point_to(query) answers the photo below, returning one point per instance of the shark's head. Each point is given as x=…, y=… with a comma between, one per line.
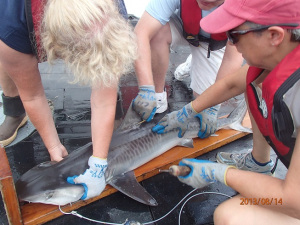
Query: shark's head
x=60, y=196
x=47, y=182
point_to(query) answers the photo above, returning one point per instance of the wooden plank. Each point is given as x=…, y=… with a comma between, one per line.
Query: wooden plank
x=37, y=213
x=8, y=191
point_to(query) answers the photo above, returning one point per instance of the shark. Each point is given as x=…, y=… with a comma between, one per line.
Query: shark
x=133, y=144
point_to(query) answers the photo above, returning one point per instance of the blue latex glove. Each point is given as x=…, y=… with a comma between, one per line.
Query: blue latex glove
x=145, y=102
x=203, y=172
x=180, y=120
x=93, y=179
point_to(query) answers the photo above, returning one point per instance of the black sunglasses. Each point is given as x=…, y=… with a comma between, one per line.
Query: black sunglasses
x=234, y=34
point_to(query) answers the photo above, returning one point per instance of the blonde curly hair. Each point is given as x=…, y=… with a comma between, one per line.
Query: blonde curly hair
x=93, y=39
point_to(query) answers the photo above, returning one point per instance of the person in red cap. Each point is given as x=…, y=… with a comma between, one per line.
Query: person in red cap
x=267, y=33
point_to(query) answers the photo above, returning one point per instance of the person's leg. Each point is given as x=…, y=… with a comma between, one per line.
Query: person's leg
x=15, y=116
x=257, y=160
x=233, y=212
x=259, y=143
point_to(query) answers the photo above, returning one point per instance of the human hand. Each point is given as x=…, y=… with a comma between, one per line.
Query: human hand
x=145, y=102
x=93, y=179
x=58, y=152
x=208, y=121
x=176, y=120
x=203, y=172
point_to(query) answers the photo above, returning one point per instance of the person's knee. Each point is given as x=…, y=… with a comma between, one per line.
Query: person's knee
x=225, y=214
x=220, y=215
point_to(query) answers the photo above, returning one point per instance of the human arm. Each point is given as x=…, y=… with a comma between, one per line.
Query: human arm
x=258, y=189
x=156, y=15
x=23, y=70
x=232, y=61
x=254, y=186
x=222, y=90
x=145, y=102
x=145, y=30
x=103, y=105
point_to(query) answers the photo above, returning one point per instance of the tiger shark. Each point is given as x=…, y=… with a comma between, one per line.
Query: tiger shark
x=133, y=144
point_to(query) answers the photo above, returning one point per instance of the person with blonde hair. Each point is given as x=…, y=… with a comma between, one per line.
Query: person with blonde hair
x=94, y=40
x=267, y=33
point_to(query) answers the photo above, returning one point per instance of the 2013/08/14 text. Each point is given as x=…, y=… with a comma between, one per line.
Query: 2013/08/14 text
x=261, y=201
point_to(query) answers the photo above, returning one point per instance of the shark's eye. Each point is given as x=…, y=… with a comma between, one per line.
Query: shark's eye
x=46, y=164
x=49, y=194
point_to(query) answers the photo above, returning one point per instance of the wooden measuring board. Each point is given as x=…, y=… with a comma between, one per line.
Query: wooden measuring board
x=37, y=213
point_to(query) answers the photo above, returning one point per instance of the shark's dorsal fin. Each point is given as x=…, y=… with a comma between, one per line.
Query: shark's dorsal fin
x=128, y=185
x=131, y=121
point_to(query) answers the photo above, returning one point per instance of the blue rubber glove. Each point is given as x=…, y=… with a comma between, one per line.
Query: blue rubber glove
x=203, y=172
x=93, y=179
x=145, y=102
x=180, y=120
x=208, y=121
x=176, y=120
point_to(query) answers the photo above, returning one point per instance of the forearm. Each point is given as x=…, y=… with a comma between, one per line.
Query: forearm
x=145, y=29
x=224, y=89
x=263, y=190
x=279, y=195
x=41, y=116
x=103, y=105
x=143, y=64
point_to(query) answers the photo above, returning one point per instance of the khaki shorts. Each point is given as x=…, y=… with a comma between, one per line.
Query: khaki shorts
x=203, y=70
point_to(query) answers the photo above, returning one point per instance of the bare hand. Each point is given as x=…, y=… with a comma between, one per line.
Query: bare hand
x=58, y=152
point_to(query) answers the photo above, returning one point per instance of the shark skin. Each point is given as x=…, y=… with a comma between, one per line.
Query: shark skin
x=133, y=144
x=235, y=118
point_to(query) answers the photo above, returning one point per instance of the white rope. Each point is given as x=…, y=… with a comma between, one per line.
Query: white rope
x=217, y=193
x=74, y=213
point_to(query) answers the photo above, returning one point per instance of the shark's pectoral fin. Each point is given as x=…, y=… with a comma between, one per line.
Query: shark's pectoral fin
x=239, y=127
x=235, y=126
x=188, y=143
x=128, y=185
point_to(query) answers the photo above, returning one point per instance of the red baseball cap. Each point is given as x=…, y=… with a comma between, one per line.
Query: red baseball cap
x=233, y=13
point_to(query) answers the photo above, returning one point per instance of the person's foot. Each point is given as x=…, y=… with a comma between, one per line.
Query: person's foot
x=245, y=161
x=161, y=101
x=10, y=127
x=183, y=70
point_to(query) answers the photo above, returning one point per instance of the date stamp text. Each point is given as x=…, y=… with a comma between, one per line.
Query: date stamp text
x=261, y=201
